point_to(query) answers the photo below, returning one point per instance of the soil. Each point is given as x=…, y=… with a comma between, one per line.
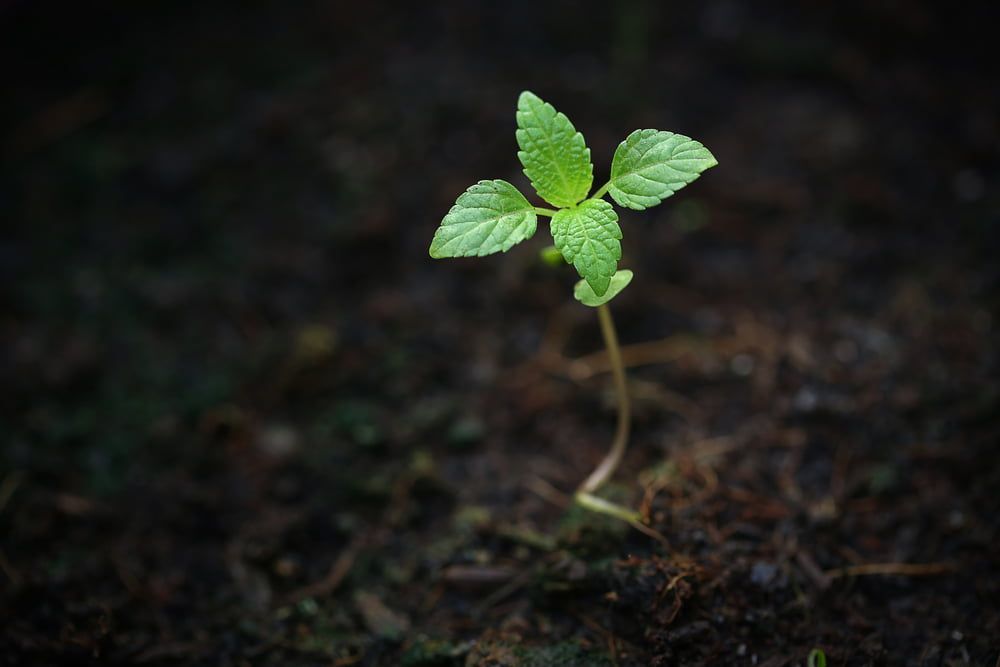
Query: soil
x=247, y=421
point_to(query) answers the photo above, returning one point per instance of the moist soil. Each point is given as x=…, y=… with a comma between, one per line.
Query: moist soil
x=247, y=421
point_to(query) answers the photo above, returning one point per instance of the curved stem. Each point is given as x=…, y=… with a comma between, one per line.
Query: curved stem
x=607, y=467
x=545, y=211
x=585, y=495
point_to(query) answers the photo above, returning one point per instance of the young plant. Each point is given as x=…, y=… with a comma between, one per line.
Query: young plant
x=493, y=216
x=816, y=658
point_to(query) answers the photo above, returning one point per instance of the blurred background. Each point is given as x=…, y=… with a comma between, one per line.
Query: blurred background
x=246, y=420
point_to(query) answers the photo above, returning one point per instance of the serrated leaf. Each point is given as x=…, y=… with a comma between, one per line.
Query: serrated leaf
x=589, y=238
x=651, y=165
x=489, y=217
x=585, y=294
x=555, y=156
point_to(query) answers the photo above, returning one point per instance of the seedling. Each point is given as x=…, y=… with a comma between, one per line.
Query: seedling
x=493, y=216
x=816, y=658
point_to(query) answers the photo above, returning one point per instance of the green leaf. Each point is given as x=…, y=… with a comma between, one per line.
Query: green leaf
x=651, y=165
x=817, y=658
x=585, y=294
x=489, y=217
x=589, y=238
x=554, y=154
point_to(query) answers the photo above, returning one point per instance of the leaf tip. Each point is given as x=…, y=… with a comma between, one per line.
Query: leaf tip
x=584, y=293
x=527, y=96
x=600, y=286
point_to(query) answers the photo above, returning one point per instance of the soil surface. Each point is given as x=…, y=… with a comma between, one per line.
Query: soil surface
x=247, y=421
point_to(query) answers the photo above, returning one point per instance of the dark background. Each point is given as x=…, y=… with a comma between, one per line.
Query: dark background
x=246, y=420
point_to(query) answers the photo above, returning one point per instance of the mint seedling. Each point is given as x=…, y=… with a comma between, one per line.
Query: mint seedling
x=493, y=216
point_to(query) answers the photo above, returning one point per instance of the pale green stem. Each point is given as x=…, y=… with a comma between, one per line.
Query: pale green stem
x=631, y=517
x=603, y=191
x=545, y=211
x=607, y=467
x=585, y=495
x=602, y=506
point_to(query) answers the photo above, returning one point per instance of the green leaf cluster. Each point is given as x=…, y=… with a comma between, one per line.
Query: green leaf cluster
x=493, y=216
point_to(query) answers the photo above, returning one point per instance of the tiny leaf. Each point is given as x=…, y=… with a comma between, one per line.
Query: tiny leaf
x=585, y=294
x=551, y=256
x=589, y=238
x=651, y=165
x=489, y=217
x=555, y=156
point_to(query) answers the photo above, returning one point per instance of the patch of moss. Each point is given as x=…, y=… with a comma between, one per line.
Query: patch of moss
x=435, y=653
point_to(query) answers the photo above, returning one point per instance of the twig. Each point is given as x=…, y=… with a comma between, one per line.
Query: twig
x=331, y=582
x=650, y=532
x=609, y=637
x=638, y=354
x=812, y=570
x=345, y=561
x=548, y=492
x=680, y=405
x=709, y=448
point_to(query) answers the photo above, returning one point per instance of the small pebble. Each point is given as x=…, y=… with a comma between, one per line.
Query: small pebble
x=763, y=573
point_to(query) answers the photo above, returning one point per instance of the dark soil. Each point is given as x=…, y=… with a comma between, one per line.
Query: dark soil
x=247, y=421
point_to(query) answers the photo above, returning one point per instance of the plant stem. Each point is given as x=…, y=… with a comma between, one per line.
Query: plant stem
x=631, y=517
x=602, y=191
x=602, y=506
x=607, y=467
x=545, y=211
x=585, y=495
